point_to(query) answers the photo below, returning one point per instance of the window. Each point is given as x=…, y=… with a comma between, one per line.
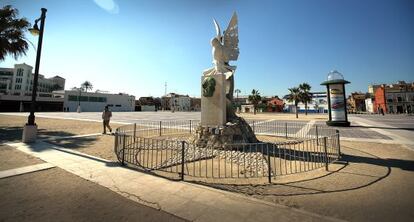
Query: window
x=399, y=99
x=72, y=98
x=102, y=99
x=86, y=98
x=83, y=98
x=19, y=72
x=93, y=99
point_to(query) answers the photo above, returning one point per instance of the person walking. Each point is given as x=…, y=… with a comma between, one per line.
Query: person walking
x=106, y=116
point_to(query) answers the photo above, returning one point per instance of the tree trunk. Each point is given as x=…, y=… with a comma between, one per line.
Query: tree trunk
x=306, y=108
x=296, y=111
x=254, y=110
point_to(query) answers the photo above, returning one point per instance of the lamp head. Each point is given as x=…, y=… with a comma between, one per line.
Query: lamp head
x=35, y=30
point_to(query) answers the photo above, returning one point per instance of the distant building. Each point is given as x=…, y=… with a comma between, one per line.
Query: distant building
x=19, y=81
x=148, y=104
x=95, y=102
x=247, y=108
x=372, y=88
x=356, y=102
x=16, y=85
x=369, y=104
x=241, y=100
x=176, y=102
x=195, y=104
x=318, y=104
x=395, y=98
x=275, y=104
x=45, y=102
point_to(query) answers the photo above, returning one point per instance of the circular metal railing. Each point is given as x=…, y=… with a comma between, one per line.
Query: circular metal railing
x=160, y=148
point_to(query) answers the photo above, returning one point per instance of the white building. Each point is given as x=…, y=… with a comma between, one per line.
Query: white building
x=176, y=102
x=182, y=103
x=318, y=104
x=369, y=105
x=249, y=108
x=19, y=81
x=95, y=101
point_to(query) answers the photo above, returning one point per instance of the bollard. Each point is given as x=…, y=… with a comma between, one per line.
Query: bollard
x=339, y=144
x=326, y=152
x=182, y=159
x=190, y=126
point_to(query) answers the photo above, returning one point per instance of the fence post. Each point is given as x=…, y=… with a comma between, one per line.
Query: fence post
x=326, y=152
x=182, y=159
x=116, y=140
x=190, y=126
x=286, y=130
x=317, y=135
x=123, y=149
x=135, y=130
x=160, y=128
x=269, y=166
x=338, y=144
x=253, y=127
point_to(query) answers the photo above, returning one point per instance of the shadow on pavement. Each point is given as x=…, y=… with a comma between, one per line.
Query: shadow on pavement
x=395, y=163
x=307, y=187
x=14, y=134
x=11, y=134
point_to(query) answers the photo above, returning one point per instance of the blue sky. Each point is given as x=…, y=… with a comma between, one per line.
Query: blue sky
x=136, y=46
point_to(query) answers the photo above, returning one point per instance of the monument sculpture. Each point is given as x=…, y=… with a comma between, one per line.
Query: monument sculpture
x=219, y=123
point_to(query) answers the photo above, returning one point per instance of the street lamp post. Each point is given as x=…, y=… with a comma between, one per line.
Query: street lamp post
x=30, y=129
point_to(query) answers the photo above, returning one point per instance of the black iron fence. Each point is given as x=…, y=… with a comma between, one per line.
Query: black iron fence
x=302, y=130
x=141, y=145
x=147, y=128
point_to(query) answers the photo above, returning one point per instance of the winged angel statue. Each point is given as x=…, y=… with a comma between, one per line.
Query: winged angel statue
x=225, y=49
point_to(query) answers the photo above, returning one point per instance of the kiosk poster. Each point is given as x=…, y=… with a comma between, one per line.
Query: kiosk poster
x=337, y=102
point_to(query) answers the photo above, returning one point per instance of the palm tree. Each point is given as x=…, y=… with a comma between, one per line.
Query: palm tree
x=295, y=96
x=87, y=85
x=316, y=107
x=306, y=95
x=255, y=98
x=237, y=91
x=12, y=29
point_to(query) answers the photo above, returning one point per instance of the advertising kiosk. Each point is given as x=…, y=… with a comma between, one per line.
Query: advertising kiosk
x=335, y=85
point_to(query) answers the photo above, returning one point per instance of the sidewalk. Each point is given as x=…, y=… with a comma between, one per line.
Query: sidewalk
x=185, y=200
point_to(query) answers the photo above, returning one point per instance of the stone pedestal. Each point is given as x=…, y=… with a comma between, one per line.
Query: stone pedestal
x=213, y=109
x=29, y=133
x=237, y=131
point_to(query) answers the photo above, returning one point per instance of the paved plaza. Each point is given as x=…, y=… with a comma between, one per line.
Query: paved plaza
x=370, y=128
x=375, y=173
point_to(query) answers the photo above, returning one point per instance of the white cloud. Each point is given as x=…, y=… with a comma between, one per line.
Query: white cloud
x=108, y=5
